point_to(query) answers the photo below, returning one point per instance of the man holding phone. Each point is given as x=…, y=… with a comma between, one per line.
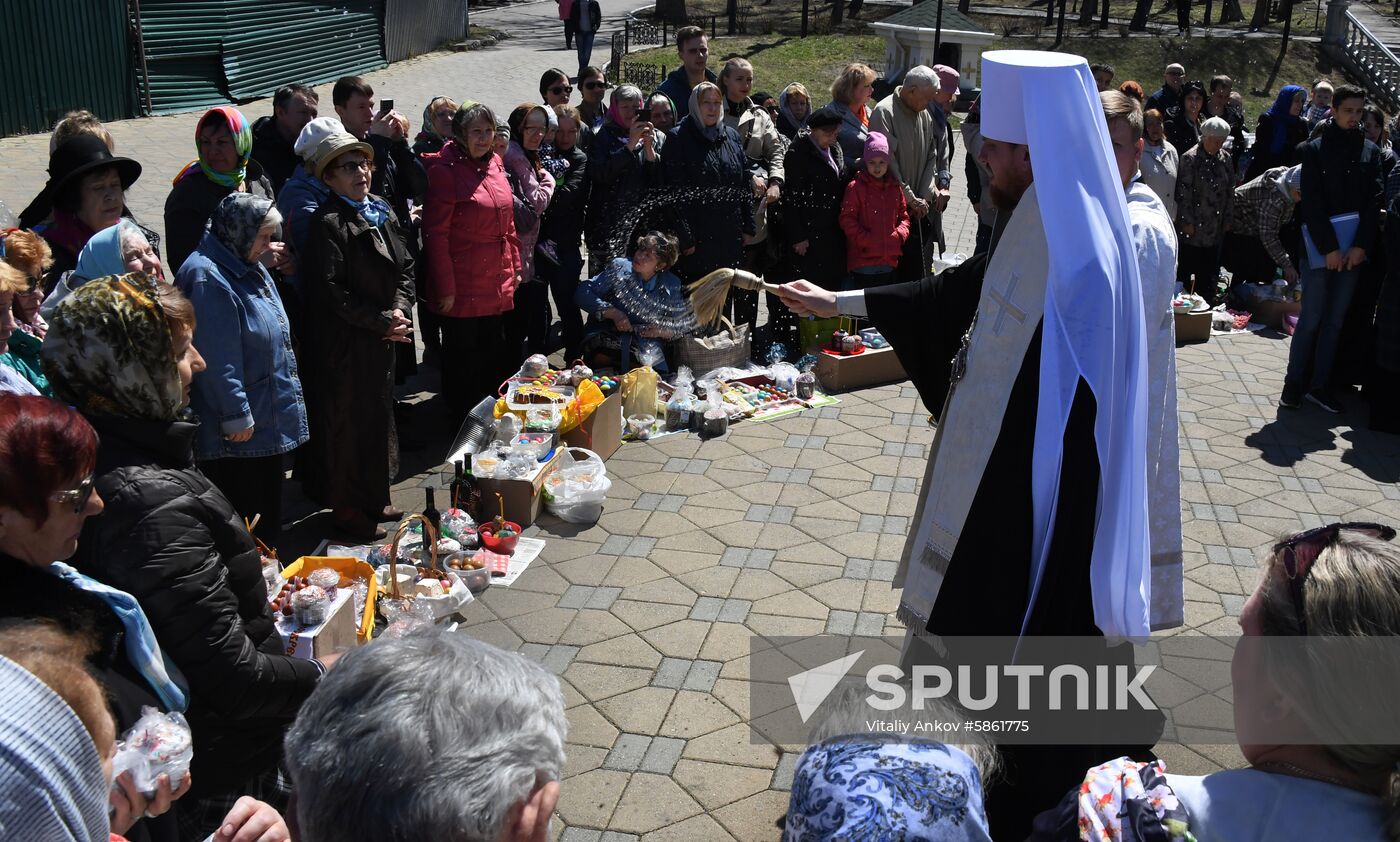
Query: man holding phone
x=398, y=175
x=1342, y=190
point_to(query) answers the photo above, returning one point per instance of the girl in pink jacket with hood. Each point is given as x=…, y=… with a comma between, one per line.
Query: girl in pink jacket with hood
x=874, y=217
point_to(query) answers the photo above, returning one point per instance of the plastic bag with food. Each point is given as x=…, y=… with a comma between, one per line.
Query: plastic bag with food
x=577, y=488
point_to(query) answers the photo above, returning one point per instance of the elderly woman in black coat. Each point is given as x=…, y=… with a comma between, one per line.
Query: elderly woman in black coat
x=120, y=349
x=358, y=280
x=709, y=184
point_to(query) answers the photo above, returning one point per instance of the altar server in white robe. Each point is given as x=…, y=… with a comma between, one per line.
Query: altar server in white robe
x=1154, y=235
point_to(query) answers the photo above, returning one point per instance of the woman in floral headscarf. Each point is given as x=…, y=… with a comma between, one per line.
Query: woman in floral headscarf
x=120, y=350
x=437, y=126
x=249, y=400
x=224, y=141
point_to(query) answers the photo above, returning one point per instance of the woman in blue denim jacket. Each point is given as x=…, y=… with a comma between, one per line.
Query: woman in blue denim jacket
x=249, y=399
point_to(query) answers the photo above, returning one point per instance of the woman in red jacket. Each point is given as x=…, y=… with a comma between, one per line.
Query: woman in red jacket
x=473, y=256
x=874, y=217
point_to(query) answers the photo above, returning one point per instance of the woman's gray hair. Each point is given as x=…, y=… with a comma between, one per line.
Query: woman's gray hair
x=625, y=92
x=430, y=736
x=273, y=218
x=468, y=113
x=130, y=233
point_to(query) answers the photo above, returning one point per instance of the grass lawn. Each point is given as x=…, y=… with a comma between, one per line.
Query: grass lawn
x=1248, y=61
x=1309, y=16
x=781, y=59
x=815, y=61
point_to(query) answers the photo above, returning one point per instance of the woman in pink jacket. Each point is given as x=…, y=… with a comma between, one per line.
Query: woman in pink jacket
x=874, y=217
x=473, y=255
x=527, y=328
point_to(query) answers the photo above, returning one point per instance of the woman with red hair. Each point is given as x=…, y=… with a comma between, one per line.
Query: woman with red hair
x=48, y=453
x=1134, y=90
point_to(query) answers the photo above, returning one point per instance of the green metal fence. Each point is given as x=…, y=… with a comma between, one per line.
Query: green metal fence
x=200, y=53
x=60, y=55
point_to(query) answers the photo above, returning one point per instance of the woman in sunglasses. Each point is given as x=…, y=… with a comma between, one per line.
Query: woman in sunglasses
x=1307, y=704
x=591, y=84
x=48, y=453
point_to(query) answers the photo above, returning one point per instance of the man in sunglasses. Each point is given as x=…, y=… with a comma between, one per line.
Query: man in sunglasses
x=694, y=50
x=1169, y=95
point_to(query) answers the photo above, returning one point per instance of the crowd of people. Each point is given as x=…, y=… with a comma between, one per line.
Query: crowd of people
x=317, y=250
x=1304, y=205
x=150, y=407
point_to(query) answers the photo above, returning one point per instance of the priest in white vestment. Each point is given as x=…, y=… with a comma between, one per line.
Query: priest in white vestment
x=1033, y=518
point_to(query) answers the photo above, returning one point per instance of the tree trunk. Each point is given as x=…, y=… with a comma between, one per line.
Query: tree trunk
x=806, y=15
x=1261, y=16
x=1103, y=15
x=1060, y=26
x=964, y=6
x=1050, y=11
x=1209, y=4
x=1088, y=11
x=1139, y=21
x=1230, y=12
x=1283, y=46
x=836, y=9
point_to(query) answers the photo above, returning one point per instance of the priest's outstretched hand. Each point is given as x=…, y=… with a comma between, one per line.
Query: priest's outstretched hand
x=807, y=299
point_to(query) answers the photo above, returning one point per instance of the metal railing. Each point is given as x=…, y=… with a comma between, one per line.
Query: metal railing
x=646, y=34
x=1372, y=60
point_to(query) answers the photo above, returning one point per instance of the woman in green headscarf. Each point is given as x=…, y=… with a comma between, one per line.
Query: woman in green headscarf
x=224, y=141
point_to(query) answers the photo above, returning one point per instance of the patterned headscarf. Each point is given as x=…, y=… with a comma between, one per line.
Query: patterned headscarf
x=110, y=351
x=242, y=132
x=867, y=788
x=429, y=130
x=624, y=93
x=236, y=221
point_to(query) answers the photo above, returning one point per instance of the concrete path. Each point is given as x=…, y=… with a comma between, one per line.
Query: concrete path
x=501, y=76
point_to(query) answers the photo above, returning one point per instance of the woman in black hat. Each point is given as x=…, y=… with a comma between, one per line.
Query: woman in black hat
x=86, y=193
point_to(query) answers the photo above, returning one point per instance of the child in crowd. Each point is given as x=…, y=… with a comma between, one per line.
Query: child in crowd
x=1320, y=106
x=874, y=217
x=634, y=305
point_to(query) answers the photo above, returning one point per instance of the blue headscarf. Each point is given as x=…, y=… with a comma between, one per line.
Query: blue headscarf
x=102, y=256
x=1281, y=113
x=867, y=788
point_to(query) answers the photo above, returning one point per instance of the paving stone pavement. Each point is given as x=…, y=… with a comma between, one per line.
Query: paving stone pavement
x=791, y=527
